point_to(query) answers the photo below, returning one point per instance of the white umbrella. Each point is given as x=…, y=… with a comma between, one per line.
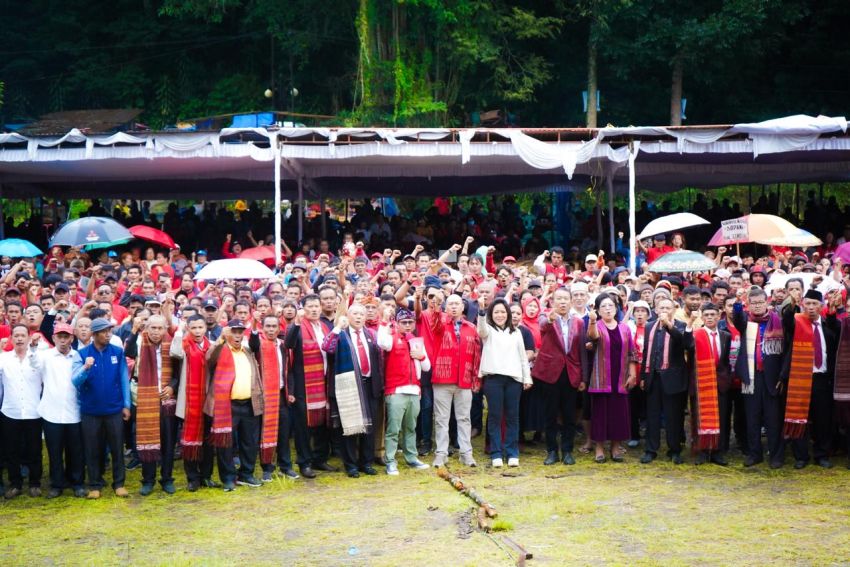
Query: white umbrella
x=235, y=269
x=670, y=223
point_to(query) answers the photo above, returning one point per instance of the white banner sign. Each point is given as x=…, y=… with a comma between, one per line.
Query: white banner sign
x=734, y=229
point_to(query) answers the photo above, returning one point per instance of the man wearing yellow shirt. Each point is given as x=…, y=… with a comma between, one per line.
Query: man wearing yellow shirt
x=235, y=403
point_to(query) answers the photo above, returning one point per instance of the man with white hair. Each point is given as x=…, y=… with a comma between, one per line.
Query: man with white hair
x=156, y=422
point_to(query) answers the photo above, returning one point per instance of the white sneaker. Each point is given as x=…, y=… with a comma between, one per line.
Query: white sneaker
x=513, y=462
x=392, y=469
x=497, y=463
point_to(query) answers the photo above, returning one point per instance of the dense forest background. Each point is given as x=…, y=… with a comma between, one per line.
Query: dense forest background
x=429, y=62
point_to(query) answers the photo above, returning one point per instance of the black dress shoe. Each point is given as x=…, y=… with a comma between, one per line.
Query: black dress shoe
x=677, y=459
x=647, y=458
x=54, y=493
x=568, y=459
x=193, y=486
x=325, y=467
x=424, y=450
x=368, y=470
x=825, y=463
x=776, y=464
x=701, y=459
x=308, y=472
x=551, y=458
x=751, y=461
x=719, y=459
x=800, y=464
x=353, y=474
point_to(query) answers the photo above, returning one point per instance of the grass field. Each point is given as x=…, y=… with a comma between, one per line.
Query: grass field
x=626, y=514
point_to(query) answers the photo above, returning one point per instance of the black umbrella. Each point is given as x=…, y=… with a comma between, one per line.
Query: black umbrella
x=88, y=231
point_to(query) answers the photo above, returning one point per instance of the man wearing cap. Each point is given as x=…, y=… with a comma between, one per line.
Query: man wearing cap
x=20, y=389
x=234, y=401
x=405, y=361
x=59, y=409
x=808, y=372
x=200, y=259
x=104, y=388
x=659, y=248
x=210, y=312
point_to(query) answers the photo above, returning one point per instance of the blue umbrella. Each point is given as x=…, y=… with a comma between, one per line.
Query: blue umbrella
x=90, y=230
x=18, y=248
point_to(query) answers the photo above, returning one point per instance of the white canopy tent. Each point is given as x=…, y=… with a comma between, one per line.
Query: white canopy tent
x=359, y=162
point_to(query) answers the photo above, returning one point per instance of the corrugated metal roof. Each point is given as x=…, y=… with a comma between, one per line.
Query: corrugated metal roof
x=101, y=121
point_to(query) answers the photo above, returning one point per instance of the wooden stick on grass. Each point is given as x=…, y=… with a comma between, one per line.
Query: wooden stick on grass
x=468, y=491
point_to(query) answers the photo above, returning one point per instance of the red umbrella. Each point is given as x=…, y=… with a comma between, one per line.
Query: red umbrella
x=153, y=235
x=261, y=253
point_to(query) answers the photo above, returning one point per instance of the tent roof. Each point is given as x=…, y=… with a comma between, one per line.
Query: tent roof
x=420, y=162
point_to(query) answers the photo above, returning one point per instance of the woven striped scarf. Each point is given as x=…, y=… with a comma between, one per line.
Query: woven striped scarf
x=269, y=352
x=195, y=359
x=148, y=402
x=708, y=409
x=600, y=376
x=800, y=378
x=221, y=435
x=314, y=377
x=665, y=358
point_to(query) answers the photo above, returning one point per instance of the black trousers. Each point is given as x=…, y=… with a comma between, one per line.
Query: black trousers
x=476, y=411
x=637, y=411
x=23, y=448
x=559, y=401
x=299, y=431
x=167, y=441
x=735, y=420
x=196, y=471
x=246, y=431
x=100, y=431
x=673, y=408
x=820, y=425
x=64, y=443
x=321, y=439
x=284, y=434
x=358, y=451
x=765, y=410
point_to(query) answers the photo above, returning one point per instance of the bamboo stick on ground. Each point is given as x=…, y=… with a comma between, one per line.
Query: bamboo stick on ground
x=469, y=492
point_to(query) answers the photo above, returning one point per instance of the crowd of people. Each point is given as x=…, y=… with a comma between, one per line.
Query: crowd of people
x=387, y=357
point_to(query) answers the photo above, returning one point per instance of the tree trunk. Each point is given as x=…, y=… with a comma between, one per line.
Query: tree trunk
x=590, y=117
x=676, y=91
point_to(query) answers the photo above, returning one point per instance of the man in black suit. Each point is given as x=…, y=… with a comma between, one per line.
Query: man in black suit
x=719, y=342
x=664, y=376
x=352, y=340
x=824, y=346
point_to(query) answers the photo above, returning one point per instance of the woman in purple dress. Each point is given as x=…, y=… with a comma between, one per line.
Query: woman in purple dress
x=613, y=374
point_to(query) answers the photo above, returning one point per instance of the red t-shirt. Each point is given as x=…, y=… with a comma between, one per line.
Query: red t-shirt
x=655, y=253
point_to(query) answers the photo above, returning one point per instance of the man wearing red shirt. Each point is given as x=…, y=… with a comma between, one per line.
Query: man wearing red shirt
x=659, y=248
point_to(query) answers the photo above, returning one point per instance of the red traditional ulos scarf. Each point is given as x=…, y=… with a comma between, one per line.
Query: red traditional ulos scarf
x=195, y=359
x=800, y=378
x=314, y=377
x=708, y=409
x=148, y=402
x=269, y=353
x=221, y=435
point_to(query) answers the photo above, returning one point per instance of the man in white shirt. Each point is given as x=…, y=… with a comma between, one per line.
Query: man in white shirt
x=59, y=409
x=20, y=390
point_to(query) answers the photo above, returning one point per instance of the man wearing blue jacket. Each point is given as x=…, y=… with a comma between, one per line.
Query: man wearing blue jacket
x=104, y=385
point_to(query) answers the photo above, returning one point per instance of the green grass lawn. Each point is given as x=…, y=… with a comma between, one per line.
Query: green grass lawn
x=626, y=514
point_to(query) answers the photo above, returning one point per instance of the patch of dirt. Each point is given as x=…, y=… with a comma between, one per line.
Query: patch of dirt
x=464, y=524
